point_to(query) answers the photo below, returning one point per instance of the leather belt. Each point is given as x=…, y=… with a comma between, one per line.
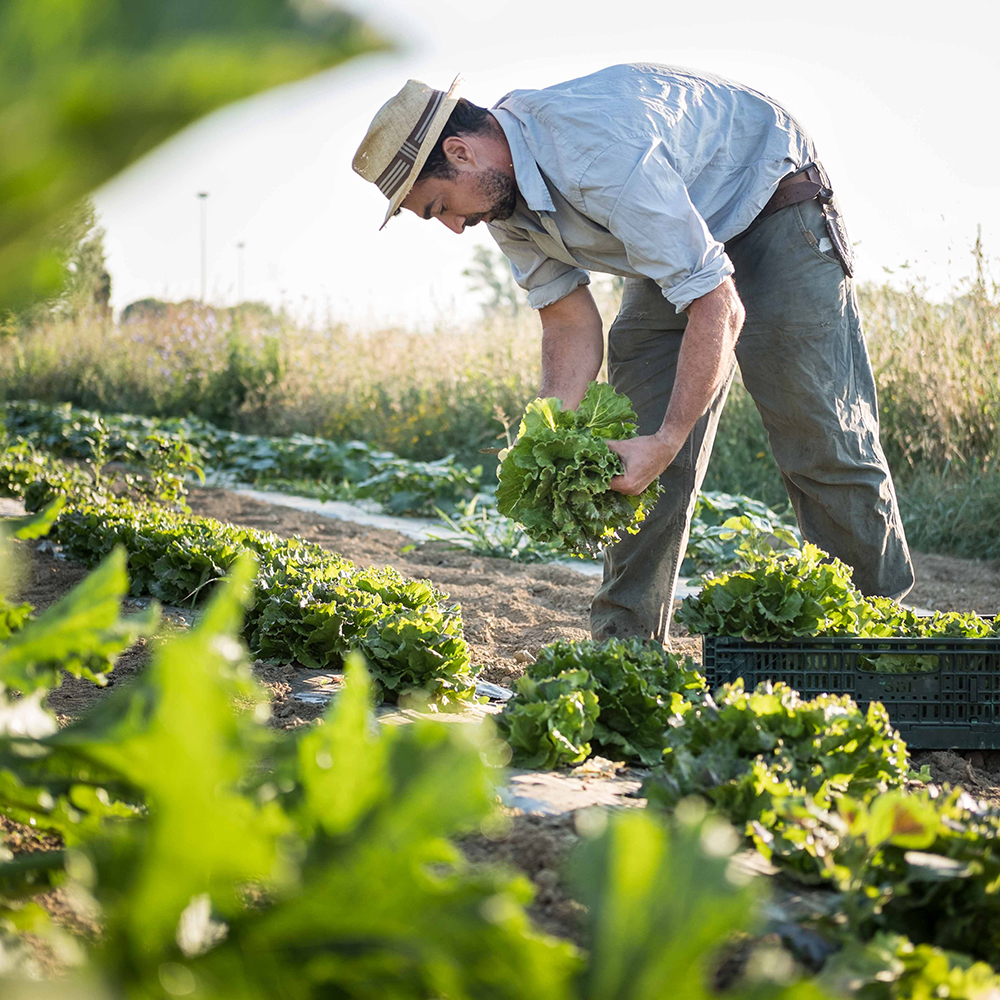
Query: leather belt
x=808, y=183
x=803, y=185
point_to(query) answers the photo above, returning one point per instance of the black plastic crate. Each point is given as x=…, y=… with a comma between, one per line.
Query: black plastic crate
x=954, y=707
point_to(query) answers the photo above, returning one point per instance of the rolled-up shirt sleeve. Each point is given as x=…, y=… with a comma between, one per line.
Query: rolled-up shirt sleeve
x=544, y=279
x=634, y=191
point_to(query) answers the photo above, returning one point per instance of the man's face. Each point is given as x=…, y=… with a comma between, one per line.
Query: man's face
x=472, y=195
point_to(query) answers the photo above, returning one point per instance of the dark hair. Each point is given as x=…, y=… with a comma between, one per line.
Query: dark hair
x=466, y=118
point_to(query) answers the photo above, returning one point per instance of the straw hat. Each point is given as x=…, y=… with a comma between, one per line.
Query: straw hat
x=401, y=137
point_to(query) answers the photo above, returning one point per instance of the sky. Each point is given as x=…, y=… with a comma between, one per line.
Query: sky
x=900, y=105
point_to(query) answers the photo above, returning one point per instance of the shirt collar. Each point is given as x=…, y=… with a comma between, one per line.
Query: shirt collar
x=529, y=178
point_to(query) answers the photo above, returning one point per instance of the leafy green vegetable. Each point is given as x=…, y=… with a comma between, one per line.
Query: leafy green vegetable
x=779, y=596
x=81, y=634
x=312, y=605
x=549, y=722
x=807, y=592
x=554, y=479
x=639, y=688
x=747, y=750
x=891, y=967
x=713, y=545
x=310, y=466
x=12, y=617
x=660, y=898
x=316, y=467
x=924, y=864
x=260, y=864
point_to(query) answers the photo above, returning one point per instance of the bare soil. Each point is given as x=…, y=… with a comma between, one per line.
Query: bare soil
x=508, y=609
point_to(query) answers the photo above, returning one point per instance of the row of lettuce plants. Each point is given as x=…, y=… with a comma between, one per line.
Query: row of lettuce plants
x=213, y=856
x=352, y=470
x=311, y=605
x=217, y=857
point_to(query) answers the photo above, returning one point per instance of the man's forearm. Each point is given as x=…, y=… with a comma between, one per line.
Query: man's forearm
x=572, y=347
x=706, y=356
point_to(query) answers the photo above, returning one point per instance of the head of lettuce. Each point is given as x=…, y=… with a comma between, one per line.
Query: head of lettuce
x=554, y=478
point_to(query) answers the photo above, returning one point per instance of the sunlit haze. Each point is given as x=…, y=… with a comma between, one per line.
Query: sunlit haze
x=899, y=103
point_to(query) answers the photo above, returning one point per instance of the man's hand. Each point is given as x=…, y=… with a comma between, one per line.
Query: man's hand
x=645, y=458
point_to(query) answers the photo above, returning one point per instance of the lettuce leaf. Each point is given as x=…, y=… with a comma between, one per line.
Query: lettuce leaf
x=554, y=479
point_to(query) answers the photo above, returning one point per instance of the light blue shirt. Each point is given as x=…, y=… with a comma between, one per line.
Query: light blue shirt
x=639, y=170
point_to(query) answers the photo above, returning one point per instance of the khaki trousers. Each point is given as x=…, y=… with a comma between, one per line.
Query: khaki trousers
x=803, y=359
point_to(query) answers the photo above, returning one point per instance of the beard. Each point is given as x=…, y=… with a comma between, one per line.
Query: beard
x=501, y=192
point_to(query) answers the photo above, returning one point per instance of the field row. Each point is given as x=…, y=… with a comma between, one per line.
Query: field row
x=169, y=790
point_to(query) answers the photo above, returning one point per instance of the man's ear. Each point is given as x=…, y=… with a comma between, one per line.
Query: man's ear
x=458, y=151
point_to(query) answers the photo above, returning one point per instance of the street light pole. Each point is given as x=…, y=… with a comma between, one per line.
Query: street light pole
x=203, y=197
x=239, y=272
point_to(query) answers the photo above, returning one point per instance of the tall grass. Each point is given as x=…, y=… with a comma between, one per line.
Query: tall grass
x=424, y=395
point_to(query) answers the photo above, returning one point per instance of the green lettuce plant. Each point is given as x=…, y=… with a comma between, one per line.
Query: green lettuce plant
x=615, y=698
x=925, y=864
x=639, y=688
x=891, y=967
x=745, y=750
x=775, y=596
x=226, y=860
x=312, y=606
x=554, y=478
x=549, y=722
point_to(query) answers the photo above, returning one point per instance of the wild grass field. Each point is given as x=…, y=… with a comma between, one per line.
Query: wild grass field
x=451, y=389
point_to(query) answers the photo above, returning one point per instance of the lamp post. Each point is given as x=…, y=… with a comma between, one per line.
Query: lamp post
x=203, y=198
x=239, y=272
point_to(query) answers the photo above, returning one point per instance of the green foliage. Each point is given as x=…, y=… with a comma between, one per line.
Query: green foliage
x=406, y=487
x=806, y=592
x=746, y=751
x=639, y=686
x=891, y=967
x=157, y=452
x=77, y=244
x=554, y=479
x=956, y=511
x=619, y=694
x=12, y=617
x=89, y=87
x=711, y=545
x=549, y=722
x=166, y=448
x=478, y=526
x=778, y=596
x=423, y=394
x=660, y=899
x=924, y=864
x=312, y=606
x=301, y=865
x=32, y=526
x=81, y=634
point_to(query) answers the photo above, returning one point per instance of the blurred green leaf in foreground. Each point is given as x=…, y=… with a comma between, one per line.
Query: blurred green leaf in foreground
x=88, y=86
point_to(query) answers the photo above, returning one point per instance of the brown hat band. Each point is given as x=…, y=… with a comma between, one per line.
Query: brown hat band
x=391, y=179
